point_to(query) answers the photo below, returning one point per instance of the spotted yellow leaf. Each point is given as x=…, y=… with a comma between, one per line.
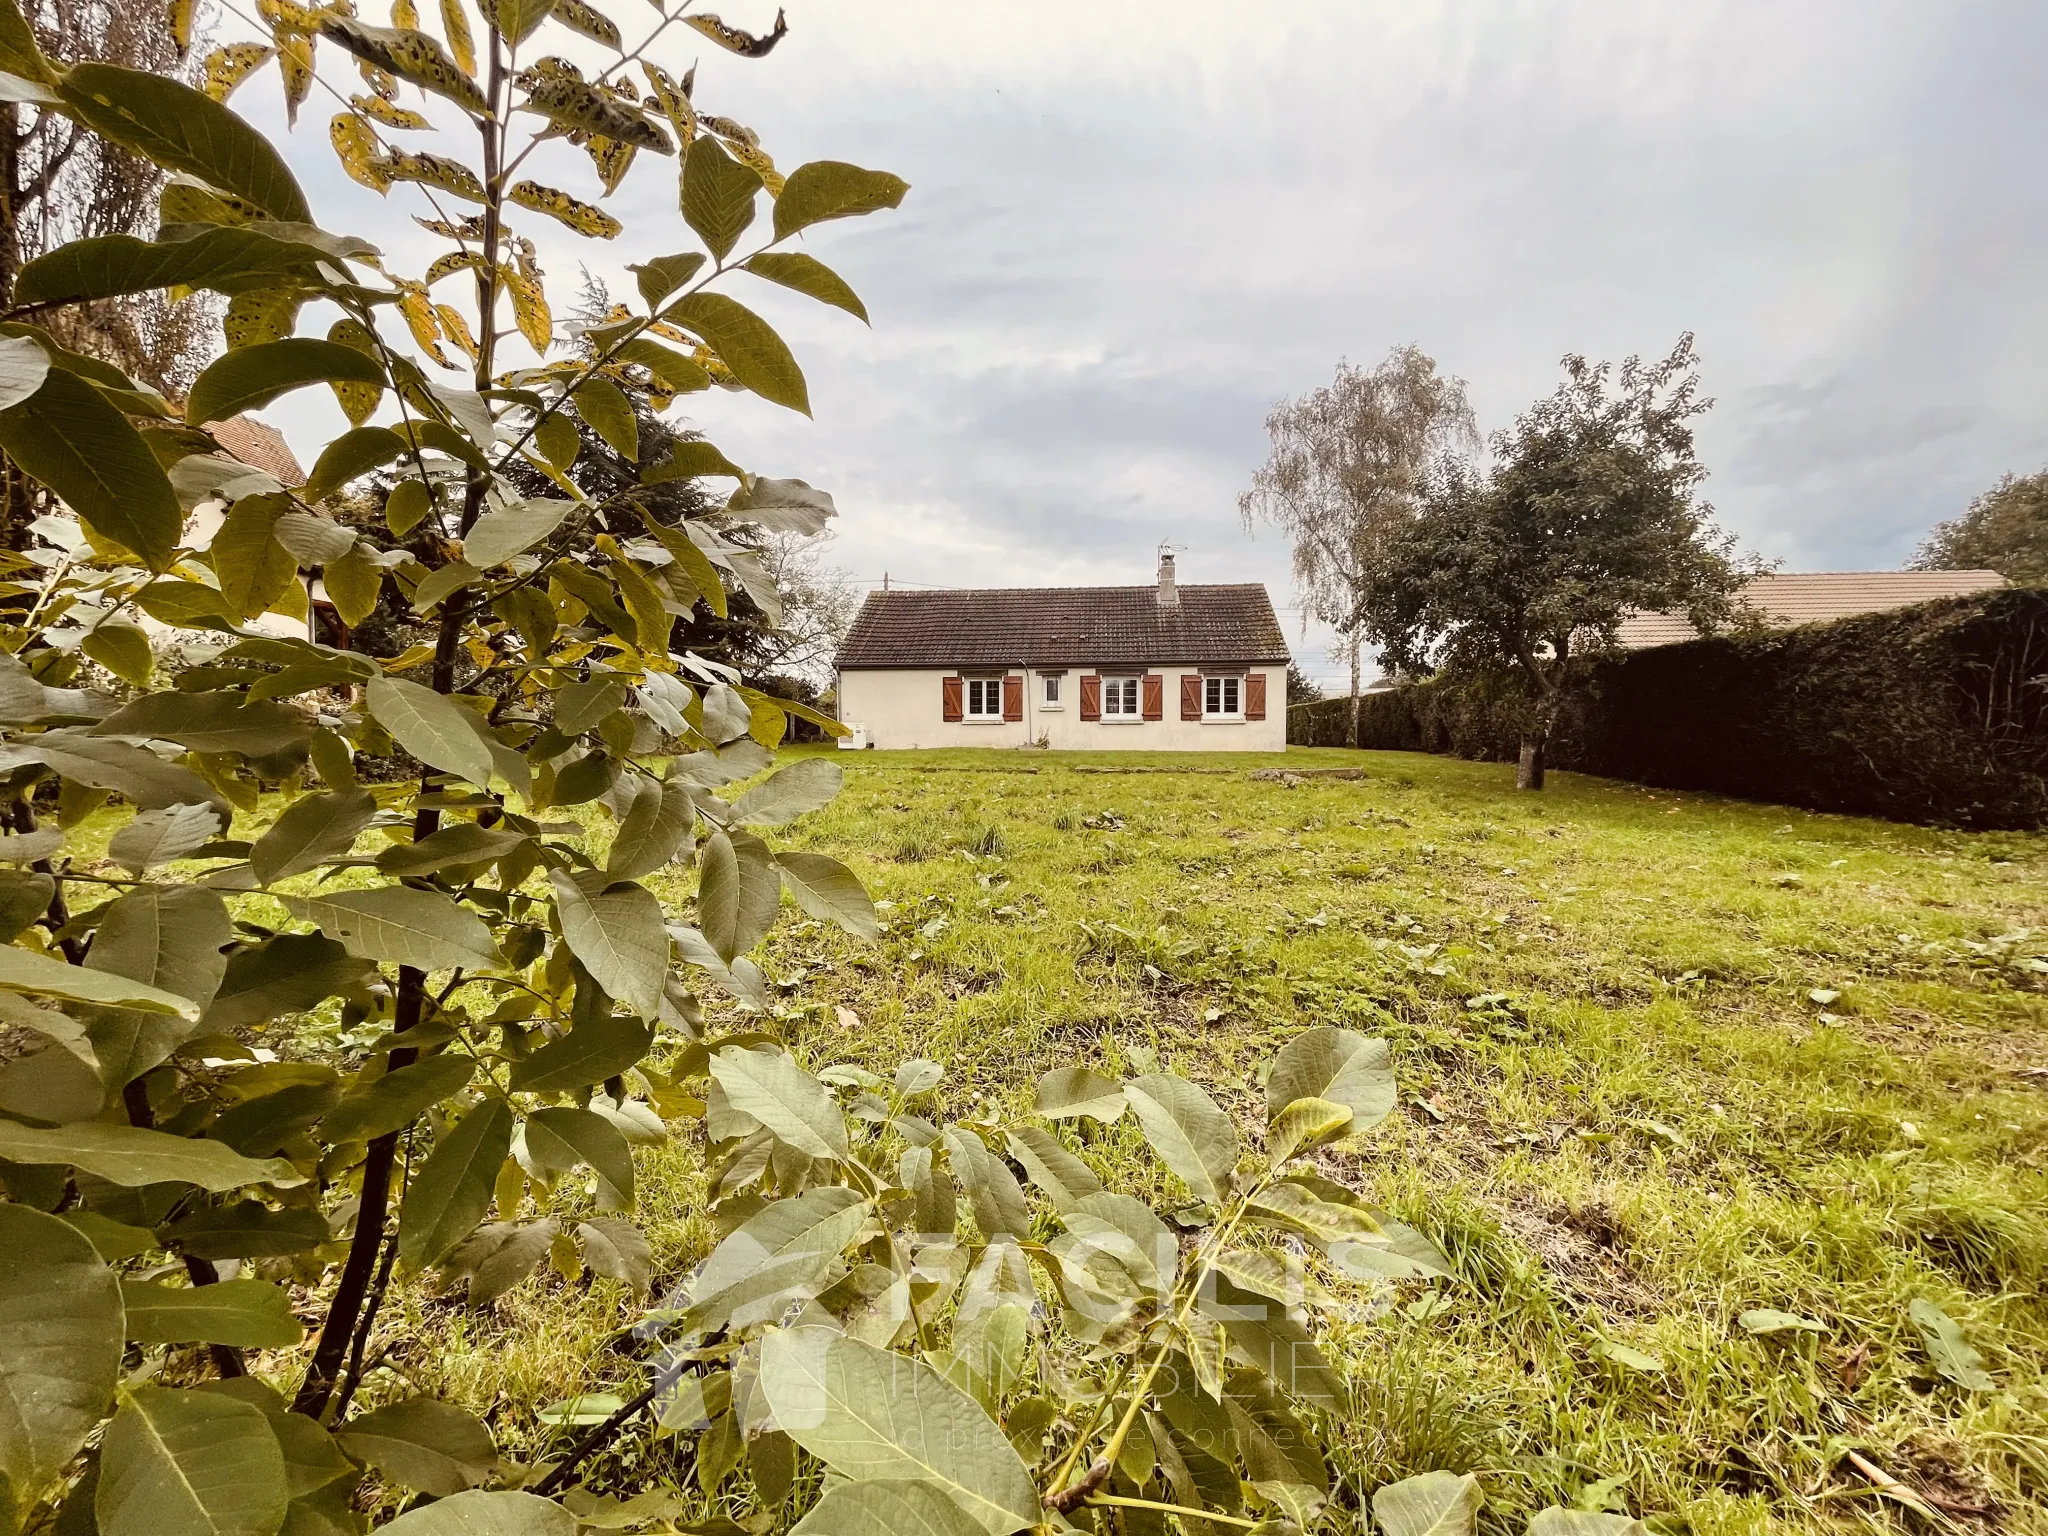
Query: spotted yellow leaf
x=455, y=22
x=452, y=263
x=469, y=227
x=527, y=378
x=755, y=159
x=734, y=40
x=420, y=318
x=730, y=129
x=382, y=83
x=529, y=307
x=582, y=217
x=358, y=401
x=671, y=100
x=612, y=160
x=227, y=67
x=405, y=14
x=390, y=114
x=552, y=67
x=409, y=54
x=579, y=107
x=450, y=176
x=185, y=201
x=578, y=17
x=356, y=147
x=456, y=328
x=295, y=61
x=528, y=256
x=259, y=315
x=181, y=24
x=287, y=16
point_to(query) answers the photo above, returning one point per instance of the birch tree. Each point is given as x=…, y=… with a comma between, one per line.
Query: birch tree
x=1341, y=477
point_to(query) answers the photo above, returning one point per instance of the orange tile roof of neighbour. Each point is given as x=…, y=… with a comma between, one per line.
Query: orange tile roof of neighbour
x=1064, y=626
x=260, y=446
x=1784, y=599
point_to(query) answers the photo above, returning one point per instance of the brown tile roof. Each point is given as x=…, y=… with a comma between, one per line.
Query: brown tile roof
x=261, y=446
x=1787, y=598
x=1064, y=627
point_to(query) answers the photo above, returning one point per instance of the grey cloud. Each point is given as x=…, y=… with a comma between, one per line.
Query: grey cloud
x=1802, y=435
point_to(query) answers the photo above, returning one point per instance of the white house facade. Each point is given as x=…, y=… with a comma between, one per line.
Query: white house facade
x=1161, y=668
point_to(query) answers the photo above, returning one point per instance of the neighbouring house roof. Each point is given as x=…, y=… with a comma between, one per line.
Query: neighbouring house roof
x=1064, y=627
x=260, y=446
x=1784, y=599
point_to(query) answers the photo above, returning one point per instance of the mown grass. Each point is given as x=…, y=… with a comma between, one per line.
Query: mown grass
x=1629, y=1109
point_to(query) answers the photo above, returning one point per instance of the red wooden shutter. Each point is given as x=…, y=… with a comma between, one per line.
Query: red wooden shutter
x=1155, y=696
x=1091, y=696
x=1255, y=696
x=1191, y=696
x=950, y=690
x=1013, y=698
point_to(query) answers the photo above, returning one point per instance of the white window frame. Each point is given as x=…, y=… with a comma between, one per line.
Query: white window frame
x=1221, y=686
x=1124, y=688
x=1052, y=688
x=985, y=691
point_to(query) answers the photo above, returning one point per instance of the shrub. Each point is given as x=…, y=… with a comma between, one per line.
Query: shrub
x=1934, y=713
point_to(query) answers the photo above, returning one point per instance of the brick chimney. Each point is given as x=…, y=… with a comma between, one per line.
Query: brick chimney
x=1169, y=594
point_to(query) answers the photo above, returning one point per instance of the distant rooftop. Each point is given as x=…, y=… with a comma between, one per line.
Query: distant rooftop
x=1784, y=599
x=260, y=446
x=1065, y=627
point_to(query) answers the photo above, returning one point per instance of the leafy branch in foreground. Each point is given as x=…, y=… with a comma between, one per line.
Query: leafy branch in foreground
x=304, y=1025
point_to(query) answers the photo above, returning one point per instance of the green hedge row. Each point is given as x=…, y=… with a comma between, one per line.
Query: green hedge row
x=1935, y=713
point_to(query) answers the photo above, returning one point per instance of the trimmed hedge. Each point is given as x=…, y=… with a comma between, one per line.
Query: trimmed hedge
x=1935, y=713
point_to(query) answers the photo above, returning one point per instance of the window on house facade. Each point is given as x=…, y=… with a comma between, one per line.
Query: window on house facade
x=1050, y=697
x=1222, y=698
x=1120, y=698
x=984, y=698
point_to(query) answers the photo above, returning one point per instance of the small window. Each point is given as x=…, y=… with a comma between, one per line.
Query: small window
x=1119, y=698
x=1222, y=698
x=1051, y=696
x=984, y=698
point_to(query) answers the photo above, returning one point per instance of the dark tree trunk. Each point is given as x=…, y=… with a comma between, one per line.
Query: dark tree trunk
x=1548, y=688
x=1354, y=690
x=17, y=496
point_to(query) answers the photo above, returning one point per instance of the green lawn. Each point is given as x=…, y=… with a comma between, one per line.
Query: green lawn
x=1664, y=1060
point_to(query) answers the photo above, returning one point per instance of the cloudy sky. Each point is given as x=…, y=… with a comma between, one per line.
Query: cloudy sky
x=1136, y=226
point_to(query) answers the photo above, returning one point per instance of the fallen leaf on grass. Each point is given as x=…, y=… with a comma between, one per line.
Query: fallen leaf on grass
x=1631, y=1359
x=1850, y=1371
x=1769, y=1323
x=1953, y=1355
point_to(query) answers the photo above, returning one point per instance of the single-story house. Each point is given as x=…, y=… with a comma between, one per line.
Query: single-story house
x=1155, y=668
x=1781, y=599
